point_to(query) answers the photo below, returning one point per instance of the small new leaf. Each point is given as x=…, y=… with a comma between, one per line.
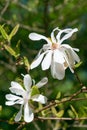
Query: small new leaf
x=11, y=51
x=74, y=111
x=60, y=113
x=14, y=31
x=35, y=91
x=3, y=32
x=77, y=65
x=26, y=63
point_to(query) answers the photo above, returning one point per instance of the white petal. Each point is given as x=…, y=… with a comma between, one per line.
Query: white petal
x=9, y=103
x=52, y=35
x=19, y=115
x=42, y=82
x=37, y=61
x=17, y=91
x=12, y=97
x=16, y=88
x=66, y=36
x=28, y=114
x=47, y=61
x=27, y=82
x=57, y=71
x=58, y=56
x=39, y=98
x=35, y=36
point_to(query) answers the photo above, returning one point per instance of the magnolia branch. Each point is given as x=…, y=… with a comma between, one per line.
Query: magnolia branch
x=82, y=90
x=62, y=118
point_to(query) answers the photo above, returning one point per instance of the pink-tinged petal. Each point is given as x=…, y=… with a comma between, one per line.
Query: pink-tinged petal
x=53, y=36
x=57, y=71
x=39, y=98
x=12, y=97
x=19, y=115
x=36, y=37
x=58, y=57
x=47, y=61
x=42, y=82
x=27, y=82
x=37, y=61
x=28, y=114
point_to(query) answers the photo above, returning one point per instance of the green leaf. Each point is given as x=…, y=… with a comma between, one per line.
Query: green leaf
x=71, y=114
x=11, y=51
x=74, y=111
x=60, y=113
x=58, y=95
x=18, y=47
x=14, y=31
x=77, y=65
x=26, y=63
x=54, y=110
x=3, y=32
x=35, y=91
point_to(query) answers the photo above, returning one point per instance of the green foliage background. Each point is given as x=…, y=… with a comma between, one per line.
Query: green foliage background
x=42, y=16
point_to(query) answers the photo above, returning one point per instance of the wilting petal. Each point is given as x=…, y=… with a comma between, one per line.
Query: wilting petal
x=28, y=114
x=47, y=61
x=27, y=82
x=35, y=36
x=42, y=82
x=57, y=71
x=58, y=56
x=39, y=98
x=12, y=97
x=37, y=61
x=19, y=115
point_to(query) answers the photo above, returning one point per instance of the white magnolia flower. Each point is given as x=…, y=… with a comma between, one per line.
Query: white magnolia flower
x=23, y=96
x=54, y=54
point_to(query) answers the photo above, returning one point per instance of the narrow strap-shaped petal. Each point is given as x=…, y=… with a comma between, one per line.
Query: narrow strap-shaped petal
x=19, y=115
x=37, y=61
x=27, y=82
x=68, y=34
x=52, y=35
x=28, y=114
x=17, y=91
x=39, y=98
x=12, y=97
x=9, y=103
x=47, y=61
x=42, y=82
x=35, y=36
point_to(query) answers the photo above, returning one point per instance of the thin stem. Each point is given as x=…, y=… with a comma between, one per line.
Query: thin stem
x=78, y=79
x=83, y=89
x=62, y=118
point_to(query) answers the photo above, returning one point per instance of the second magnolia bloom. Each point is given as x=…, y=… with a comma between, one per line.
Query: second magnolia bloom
x=55, y=55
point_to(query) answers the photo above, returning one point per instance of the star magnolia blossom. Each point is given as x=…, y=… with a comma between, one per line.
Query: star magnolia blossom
x=23, y=96
x=54, y=54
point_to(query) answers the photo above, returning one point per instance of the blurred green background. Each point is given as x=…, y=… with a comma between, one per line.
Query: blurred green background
x=42, y=16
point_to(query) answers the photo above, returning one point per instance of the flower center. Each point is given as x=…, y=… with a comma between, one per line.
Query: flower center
x=54, y=46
